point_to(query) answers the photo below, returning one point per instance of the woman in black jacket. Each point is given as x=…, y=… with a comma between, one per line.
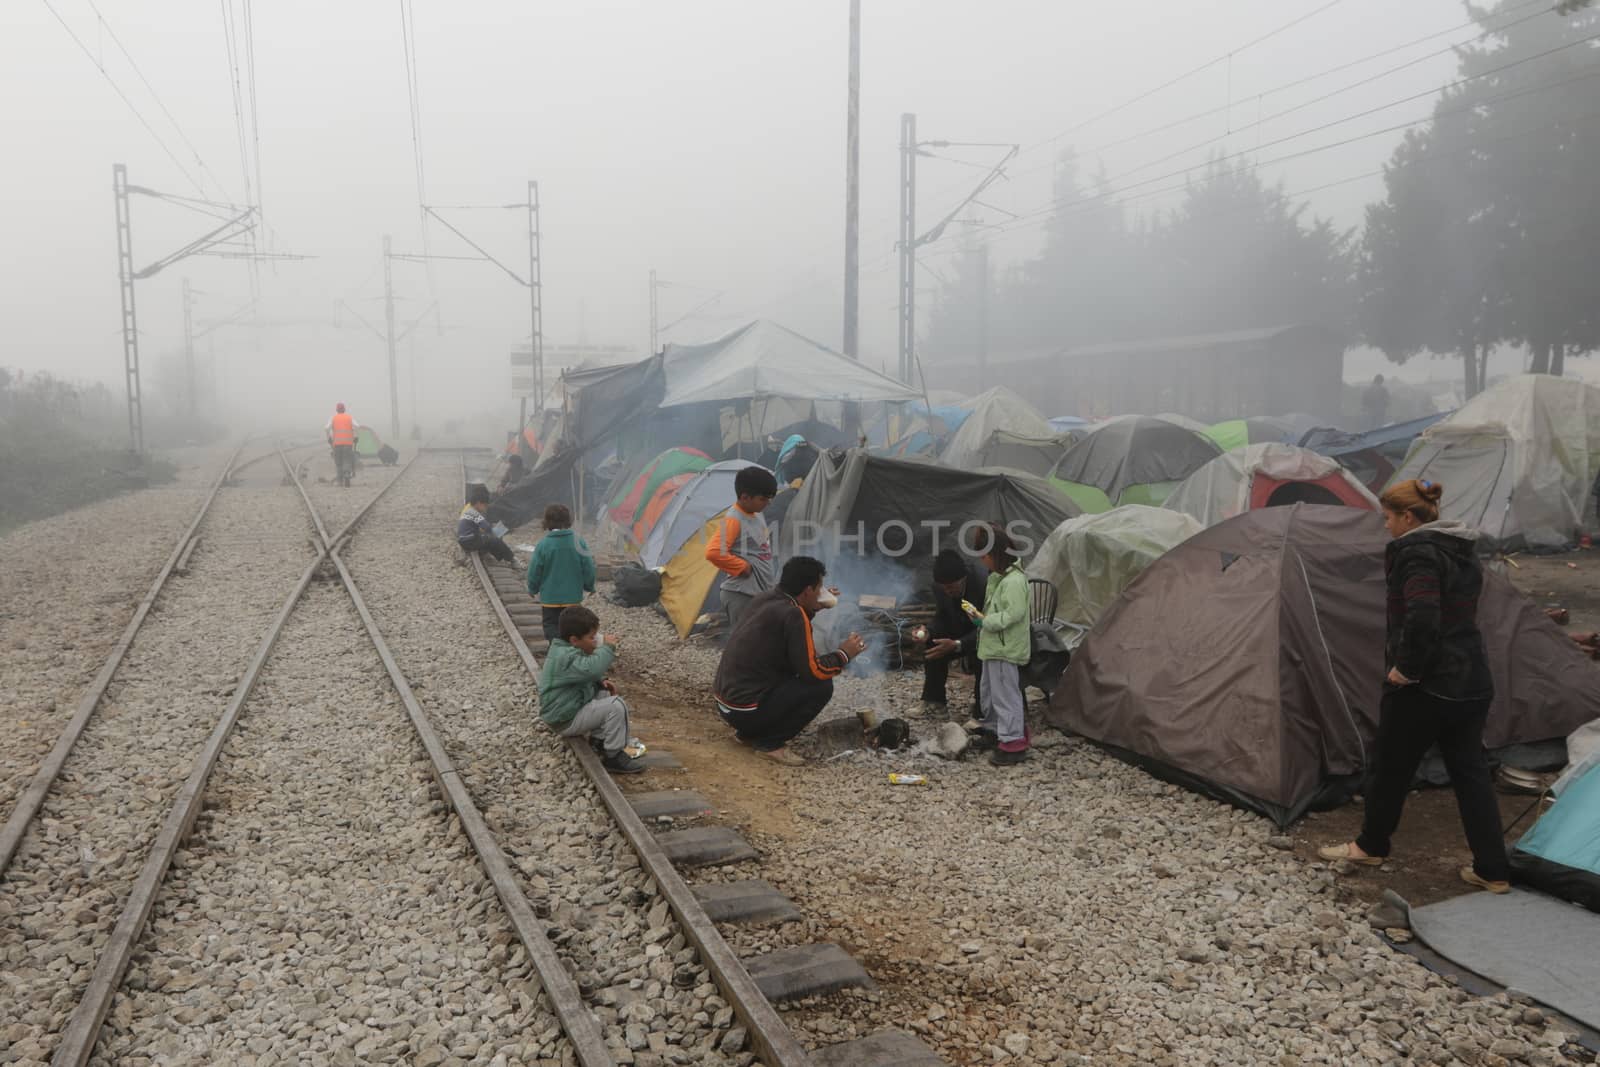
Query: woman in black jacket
x=1438, y=688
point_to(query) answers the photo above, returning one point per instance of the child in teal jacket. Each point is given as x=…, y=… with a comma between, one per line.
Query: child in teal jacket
x=1004, y=646
x=561, y=570
x=575, y=697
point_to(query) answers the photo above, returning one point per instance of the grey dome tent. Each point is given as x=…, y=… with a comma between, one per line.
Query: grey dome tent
x=1247, y=662
x=1136, y=459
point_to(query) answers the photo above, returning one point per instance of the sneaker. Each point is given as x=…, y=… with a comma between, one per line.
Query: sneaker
x=622, y=763
x=1473, y=878
x=983, y=740
x=783, y=757
x=1002, y=758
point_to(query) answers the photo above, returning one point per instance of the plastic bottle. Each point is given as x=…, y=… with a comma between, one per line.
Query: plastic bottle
x=907, y=779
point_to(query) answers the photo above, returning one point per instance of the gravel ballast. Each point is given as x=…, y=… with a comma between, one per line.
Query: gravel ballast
x=69, y=585
x=63, y=891
x=654, y=1000
x=327, y=909
x=1071, y=911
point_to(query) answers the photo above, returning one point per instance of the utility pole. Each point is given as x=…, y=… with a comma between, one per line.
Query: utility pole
x=852, y=192
x=655, y=331
x=130, y=322
x=982, y=254
x=536, y=308
x=214, y=242
x=908, y=245
x=188, y=346
x=910, y=149
x=388, y=318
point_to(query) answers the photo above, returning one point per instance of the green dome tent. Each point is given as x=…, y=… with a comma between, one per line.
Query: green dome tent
x=367, y=442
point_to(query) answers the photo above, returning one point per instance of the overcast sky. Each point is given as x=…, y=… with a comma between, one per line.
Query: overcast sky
x=701, y=138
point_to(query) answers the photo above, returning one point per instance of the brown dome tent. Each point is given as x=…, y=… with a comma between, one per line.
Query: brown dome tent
x=1247, y=662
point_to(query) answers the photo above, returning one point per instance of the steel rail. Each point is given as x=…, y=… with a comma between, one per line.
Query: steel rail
x=770, y=1038
x=82, y=1028
x=31, y=799
x=577, y=1021
x=78, y=1037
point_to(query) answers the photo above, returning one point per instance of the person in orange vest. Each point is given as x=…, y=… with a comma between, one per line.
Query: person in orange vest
x=341, y=431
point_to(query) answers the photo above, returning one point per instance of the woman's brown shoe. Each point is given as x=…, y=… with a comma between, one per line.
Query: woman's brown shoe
x=1347, y=852
x=1473, y=878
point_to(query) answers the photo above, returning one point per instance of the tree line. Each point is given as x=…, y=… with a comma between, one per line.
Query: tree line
x=1488, y=232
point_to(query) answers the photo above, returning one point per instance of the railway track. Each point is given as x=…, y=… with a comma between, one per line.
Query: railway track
x=87, y=843
x=545, y=926
x=751, y=987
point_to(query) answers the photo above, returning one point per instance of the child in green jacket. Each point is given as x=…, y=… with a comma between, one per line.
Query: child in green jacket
x=561, y=570
x=1004, y=646
x=576, y=698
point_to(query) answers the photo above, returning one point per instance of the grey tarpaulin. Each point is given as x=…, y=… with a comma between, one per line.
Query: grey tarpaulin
x=763, y=359
x=1529, y=942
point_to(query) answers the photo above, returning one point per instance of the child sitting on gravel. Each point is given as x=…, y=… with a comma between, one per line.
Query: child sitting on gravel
x=561, y=570
x=576, y=698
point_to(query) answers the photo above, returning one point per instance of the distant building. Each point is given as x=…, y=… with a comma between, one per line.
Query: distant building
x=1209, y=377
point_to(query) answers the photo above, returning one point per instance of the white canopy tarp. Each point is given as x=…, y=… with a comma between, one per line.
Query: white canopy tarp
x=1223, y=488
x=1092, y=558
x=1517, y=461
x=997, y=409
x=762, y=360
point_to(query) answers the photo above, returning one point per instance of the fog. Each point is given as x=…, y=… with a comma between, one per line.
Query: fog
x=702, y=139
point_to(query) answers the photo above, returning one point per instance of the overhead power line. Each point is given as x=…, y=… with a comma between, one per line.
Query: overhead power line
x=230, y=40
x=1542, y=5
x=111, y=32
x=126, y=100
x=1185, y=76
x=1042, y=215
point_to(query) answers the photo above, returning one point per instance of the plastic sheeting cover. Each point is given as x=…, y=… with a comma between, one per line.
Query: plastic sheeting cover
x=763, y=359
x=1092, y=558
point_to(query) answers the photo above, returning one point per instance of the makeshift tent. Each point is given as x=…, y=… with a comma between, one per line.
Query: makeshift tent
x=992, y=412
x=1372, y=456
x=636, y=492
x=367, y=442
x=1136, y=459
x=1246, y=663
x=860, y=504
x=1092, y=558
x=1561, y=854
x=708, y=492
x=1518, y=461
x=928, y=430
x=762, y=359
x=1264, y=476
